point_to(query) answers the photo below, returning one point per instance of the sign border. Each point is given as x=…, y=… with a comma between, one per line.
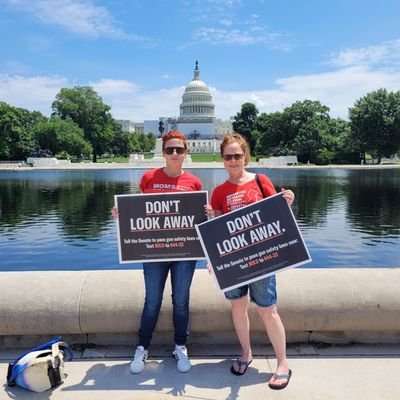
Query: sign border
x=155, y=194
x=260, y=276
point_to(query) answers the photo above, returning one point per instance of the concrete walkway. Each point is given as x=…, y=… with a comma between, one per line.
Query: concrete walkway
x=362, y=372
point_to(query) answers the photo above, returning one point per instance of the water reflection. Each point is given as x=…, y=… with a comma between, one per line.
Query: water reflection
x=373, y=202
x=81, y=207
x=61, y=219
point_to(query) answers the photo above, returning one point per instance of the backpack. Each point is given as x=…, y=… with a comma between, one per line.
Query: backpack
x=41, y=368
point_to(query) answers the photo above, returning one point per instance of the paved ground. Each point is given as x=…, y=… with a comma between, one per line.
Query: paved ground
x=319, y=373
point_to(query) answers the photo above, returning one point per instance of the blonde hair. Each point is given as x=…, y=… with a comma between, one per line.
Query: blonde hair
x=237, y=138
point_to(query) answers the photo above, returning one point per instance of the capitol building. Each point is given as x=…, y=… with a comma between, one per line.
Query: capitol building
x=196, y=119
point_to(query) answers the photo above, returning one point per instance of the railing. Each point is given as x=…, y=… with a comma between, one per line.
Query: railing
x=11, y=164
x=278, y=161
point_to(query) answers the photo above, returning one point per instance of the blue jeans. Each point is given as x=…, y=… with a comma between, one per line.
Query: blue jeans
x=155, y=276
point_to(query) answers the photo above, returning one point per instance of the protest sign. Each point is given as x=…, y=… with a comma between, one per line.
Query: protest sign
x=160, y=227
x=253, y=242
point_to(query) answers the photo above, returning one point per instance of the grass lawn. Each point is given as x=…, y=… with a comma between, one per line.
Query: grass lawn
x=205, y=157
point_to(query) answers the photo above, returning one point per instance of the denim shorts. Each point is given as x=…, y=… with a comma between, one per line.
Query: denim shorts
x=262, y=292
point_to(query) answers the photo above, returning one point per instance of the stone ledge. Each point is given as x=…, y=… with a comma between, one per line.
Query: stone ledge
x=327, y=305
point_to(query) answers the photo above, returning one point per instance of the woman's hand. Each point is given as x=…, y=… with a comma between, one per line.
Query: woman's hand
x=288, y=195
x=208, y=211
x=114, y=212
x=210, y=270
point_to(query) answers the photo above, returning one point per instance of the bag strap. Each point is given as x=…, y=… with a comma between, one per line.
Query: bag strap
x=53, y=366
x=14, y=369
x=41, y=347
x=259, y=184
x=66, y=349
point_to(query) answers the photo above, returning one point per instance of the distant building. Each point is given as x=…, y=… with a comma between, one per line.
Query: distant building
x=127, y=125
x=196, y=120
x=151, y=126
x=139, y=127
x=130, y=126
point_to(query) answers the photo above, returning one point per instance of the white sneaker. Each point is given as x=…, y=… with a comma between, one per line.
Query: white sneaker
x=137, y=365
x=183, y=362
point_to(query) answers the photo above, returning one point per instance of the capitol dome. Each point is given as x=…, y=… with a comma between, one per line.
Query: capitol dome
x=197, y=102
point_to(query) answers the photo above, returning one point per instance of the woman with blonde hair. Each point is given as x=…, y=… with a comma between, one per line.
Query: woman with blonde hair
x=239, y=190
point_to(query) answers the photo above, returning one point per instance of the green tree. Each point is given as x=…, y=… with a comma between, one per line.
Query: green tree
x=375, y=123
x=271, y=134
x=16, y=134
x=58, y=135
x=147, y=142
x=244, y=123
x=344, y=149
x=150, y=142
x=307, y=122
x=123, y=141
x=134, y=143
x=304, y=129
x=85, y=107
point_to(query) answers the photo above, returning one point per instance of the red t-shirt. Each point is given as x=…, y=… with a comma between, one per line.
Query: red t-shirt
x=156, y=181
x=228, y=196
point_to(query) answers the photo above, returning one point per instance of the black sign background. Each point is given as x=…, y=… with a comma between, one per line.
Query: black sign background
x=253, y=242
x=160, y=227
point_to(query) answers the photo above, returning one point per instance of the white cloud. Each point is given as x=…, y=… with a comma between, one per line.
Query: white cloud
x=110, y=87
x=338, y=90
x=240, y=37
x=228, y=22
x=225, y=22
x=387, y=53
x=226, y=3
x=146, y=105
x=33, y=93
x=80, y=17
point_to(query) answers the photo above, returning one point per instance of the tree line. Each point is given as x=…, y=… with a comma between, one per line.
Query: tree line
x=305, y=129
x=80, y=126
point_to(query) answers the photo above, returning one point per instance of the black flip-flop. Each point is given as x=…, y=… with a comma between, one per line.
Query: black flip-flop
x=281, y=376
x=240, y=363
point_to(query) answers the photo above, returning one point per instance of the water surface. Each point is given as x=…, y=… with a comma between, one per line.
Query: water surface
x=60, y=220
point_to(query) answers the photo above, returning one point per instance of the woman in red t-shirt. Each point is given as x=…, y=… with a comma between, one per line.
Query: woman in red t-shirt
x=239, y=190
x=171, y=178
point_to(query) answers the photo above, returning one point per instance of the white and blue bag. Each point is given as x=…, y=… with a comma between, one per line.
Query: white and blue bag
x=41, y=368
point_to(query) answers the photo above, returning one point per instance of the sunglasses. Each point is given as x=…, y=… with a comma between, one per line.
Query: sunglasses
x=237, y=156
x=178, y=150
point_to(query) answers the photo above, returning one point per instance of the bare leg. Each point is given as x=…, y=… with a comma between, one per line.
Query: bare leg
x=276, y=333
x=241, y=323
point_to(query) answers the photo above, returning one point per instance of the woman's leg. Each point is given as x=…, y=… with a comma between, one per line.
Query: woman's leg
x=241, y=323
x=181, y=280
x=263, y=293
x=155, y=275
x=276, y=333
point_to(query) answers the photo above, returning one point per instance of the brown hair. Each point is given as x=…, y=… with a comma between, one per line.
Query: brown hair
x=237, y=138
x=174, y=135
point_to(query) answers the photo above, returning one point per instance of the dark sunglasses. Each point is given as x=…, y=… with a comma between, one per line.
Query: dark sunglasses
x=170, y=150
x=237, y=156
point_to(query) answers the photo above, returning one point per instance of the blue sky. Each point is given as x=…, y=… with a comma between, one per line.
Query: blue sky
x=139, y=55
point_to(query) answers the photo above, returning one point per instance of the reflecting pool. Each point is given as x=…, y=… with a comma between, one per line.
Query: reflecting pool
x=61, y=220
